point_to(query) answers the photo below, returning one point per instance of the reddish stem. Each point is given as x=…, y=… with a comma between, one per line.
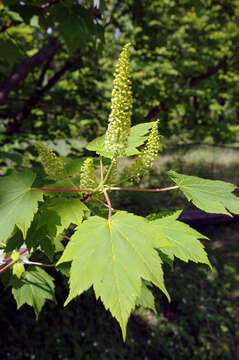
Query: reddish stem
x=86, y=197
x=61, y=190
x=5, y=267
x=37, y=263
x=109, y=204
x=143, y=189
x=20, y=253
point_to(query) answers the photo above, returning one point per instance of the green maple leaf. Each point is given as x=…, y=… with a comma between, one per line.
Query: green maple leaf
x=114, y=256
x=136, y=138
x=18, y=203
x=34, y=288
x=184, y=239
x=213, y=196
x=146, y=298
x=69, y=211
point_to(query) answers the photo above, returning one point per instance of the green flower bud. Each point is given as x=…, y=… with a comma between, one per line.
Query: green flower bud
x=113, y=174
x=87, y=175
x=116, y=138
x=146, y=159
x=25, y=160
x=50, y=162
x=150, y=152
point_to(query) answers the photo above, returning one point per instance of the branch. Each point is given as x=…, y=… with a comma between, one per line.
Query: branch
x=210, y=71
x=194, y=81
x=20, y=253
x=38, y=94
x=22, y=70
x=61, y=190
x=109, y=204
x=49, y=4
x=6, y=27
x=143, y=189
x=154, y=112
x=5, y=267
x=44, y=70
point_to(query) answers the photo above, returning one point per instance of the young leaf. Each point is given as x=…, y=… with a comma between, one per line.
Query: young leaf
x=136, y=138
x=184, y=239
x=69, y=210
x=42, y=232
x=114, y=256
x=18, y=269
x=18, y=203
x=146, y=299
x=34, y=287
x=212, y=196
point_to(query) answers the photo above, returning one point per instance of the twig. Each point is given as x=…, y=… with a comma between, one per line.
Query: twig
x=62, y=190
x=5, y=267
x=20, y=253
x=143, y=189
x=109, y=204
x=86, y=197
x=37, y=263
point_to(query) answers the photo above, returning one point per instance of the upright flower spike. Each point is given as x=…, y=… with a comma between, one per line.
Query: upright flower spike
x=151, y=149
x=116, y=138
x=146, y=159
x=87, y=175
x=52, y=165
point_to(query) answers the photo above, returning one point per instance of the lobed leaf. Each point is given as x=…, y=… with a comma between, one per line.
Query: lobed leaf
x=114, y=256
x=146, y=298
x=18, y=203
x=34, y=288
x=184, y=239
x=136, y=138
x=213, y=196
x=69, y=210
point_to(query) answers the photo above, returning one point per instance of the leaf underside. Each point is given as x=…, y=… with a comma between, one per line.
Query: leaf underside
x=34, y=288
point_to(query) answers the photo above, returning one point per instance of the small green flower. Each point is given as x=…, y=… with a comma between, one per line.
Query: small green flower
x=87, y=175
x=145, y=160
x=50, y=162
x=116, y=138
x=25, y=160
x=113, y=174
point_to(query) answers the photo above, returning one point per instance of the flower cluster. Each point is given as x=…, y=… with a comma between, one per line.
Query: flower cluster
x=146, y=159
x=114, y=173
x=52, y=165
x=116, y=138
x=87, y=175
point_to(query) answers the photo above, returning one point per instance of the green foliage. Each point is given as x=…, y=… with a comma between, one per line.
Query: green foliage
x=182, y=238
x=120, y=255
x=34, y=287
x=208, y=195
x=113, y=257
x=19, y=203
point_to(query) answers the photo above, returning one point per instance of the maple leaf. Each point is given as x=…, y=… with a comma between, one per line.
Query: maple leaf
x=34, y=287
x=184, y=239
x=114, y=256
x=213, y=196
x=69, y=210
x=18, y=203
x=146, y=298
x=136, y=138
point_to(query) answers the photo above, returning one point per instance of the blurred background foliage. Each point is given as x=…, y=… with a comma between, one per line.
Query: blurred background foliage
x=58, y=57
x=57, y=61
